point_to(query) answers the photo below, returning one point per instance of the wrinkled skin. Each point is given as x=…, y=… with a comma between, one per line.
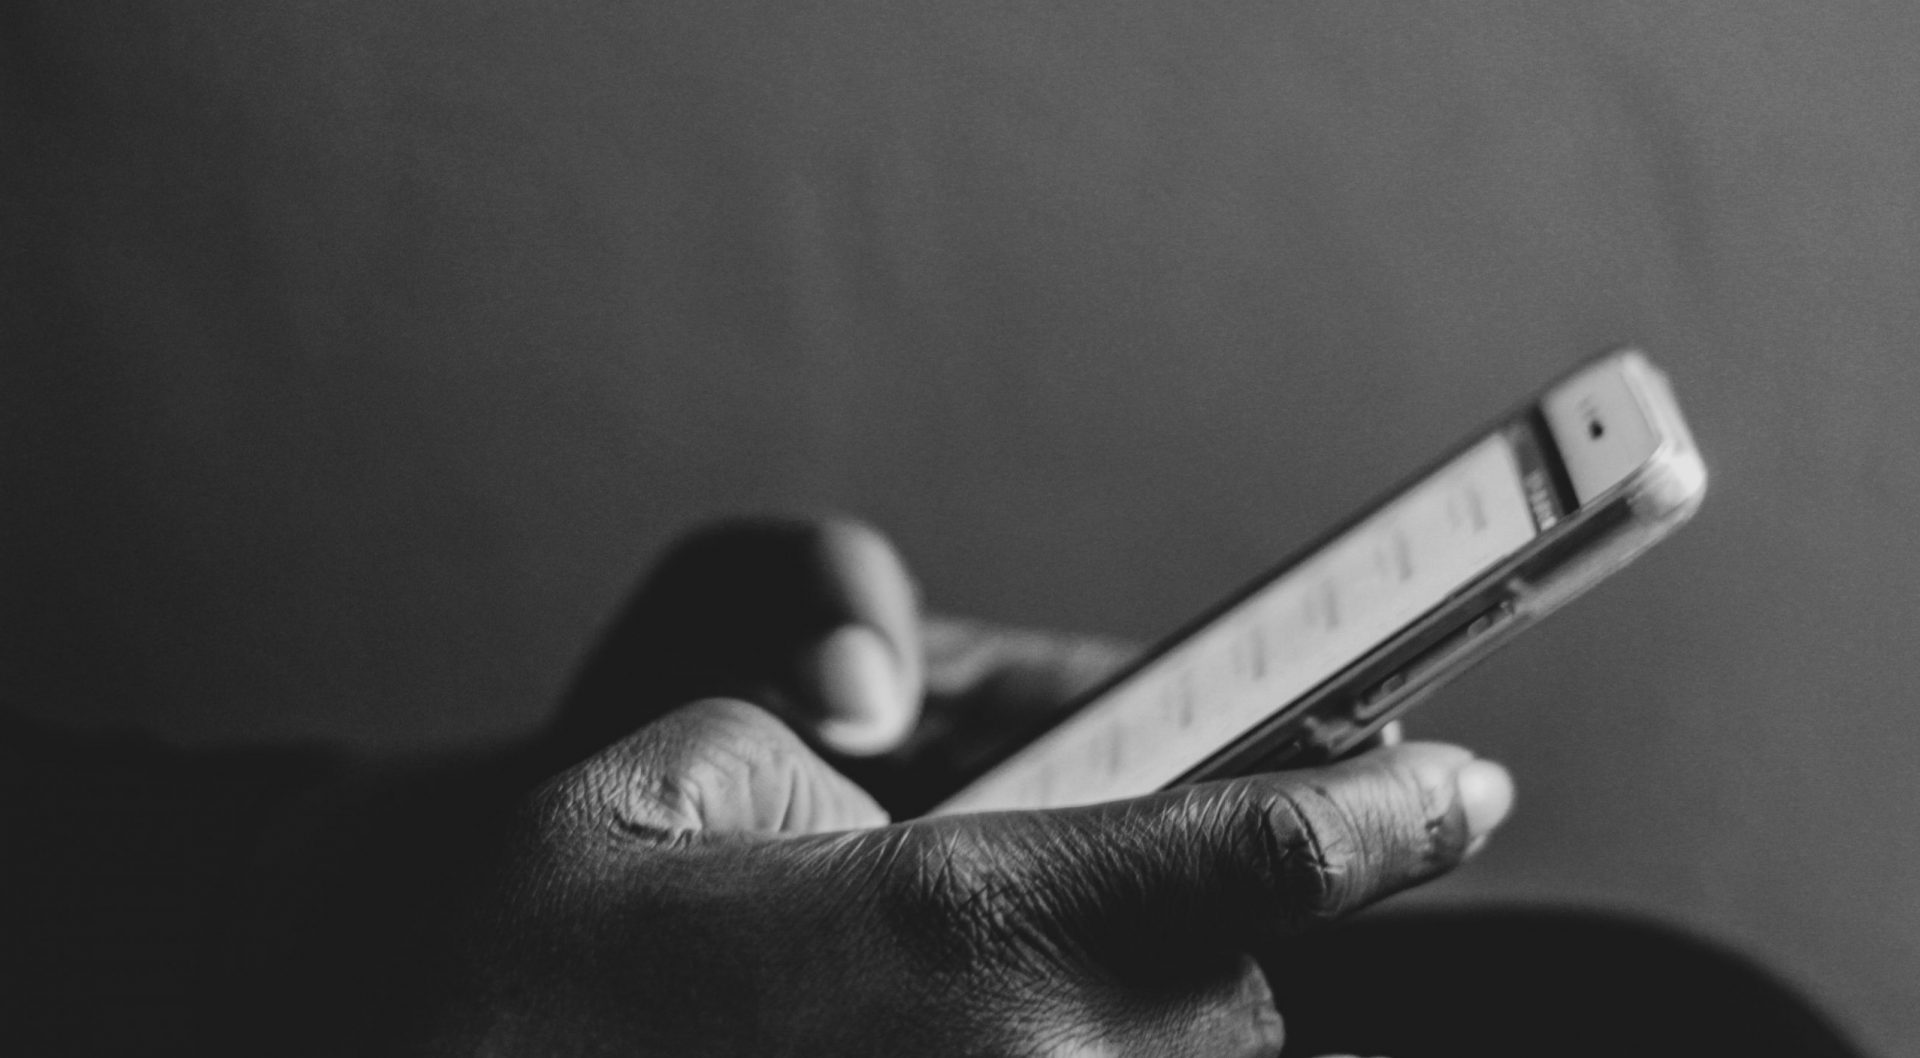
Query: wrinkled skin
x=706, y=881
x=647, y=912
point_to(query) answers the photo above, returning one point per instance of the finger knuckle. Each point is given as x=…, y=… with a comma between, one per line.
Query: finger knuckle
x=656, y=785
x=1442, y=835
x=705, y=750
x=1305, y=843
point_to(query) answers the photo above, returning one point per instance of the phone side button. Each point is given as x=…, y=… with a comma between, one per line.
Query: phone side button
x=1379, y=698
x=1300, y=751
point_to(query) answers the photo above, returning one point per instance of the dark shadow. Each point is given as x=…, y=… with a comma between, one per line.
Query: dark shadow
x=1533, y=981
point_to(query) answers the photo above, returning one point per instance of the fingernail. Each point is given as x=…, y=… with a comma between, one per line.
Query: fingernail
x=860, y=686
x=1486, y=796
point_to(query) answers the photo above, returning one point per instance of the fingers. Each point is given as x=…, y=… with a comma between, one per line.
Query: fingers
x=987, y=686
x=715, y=766
x=1258, y=859
x=814, y=620
x=984, y=667
x=862, y=680
x=1125, y=922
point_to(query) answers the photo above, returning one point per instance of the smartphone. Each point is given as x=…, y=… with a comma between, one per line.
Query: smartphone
x=1311, y=659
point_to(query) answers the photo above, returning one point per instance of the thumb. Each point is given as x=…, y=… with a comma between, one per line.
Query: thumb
x=716, y=766
x=1258, y=859
x=861, y=683
x=817, y=620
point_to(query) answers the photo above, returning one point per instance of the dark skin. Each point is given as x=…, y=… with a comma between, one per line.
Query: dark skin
x=684, y=867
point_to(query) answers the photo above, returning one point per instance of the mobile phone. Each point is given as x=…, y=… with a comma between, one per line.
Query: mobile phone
x=1311, y=659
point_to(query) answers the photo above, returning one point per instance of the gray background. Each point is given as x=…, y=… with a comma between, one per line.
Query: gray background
x=354, y=357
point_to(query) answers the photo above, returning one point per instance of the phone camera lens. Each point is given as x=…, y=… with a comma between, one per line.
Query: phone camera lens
x=1596, y=429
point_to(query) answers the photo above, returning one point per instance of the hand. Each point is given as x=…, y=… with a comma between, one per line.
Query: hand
x=820, y=623
x=711, y=885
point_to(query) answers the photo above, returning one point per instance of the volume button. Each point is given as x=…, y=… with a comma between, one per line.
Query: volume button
x=1378, y=698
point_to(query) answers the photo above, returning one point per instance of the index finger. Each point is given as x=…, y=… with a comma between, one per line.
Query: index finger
x=1252, y=859
x=991, y=686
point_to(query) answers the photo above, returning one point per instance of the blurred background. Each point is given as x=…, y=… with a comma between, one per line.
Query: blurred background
x=355, y=357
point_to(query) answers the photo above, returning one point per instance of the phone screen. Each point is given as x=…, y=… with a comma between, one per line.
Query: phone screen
x=1299, y=629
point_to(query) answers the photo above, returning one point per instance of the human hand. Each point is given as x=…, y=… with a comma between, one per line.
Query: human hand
x=821, y=623
x=712, y=885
